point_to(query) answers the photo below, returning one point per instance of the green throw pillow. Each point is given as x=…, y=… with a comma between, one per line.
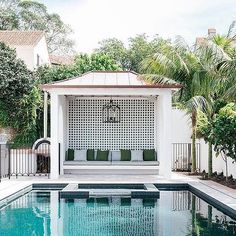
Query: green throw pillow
x=125, y=201
x=70, y=155
x=149, y=155
x=102, y=155
x=125, y=155
x=90, y=155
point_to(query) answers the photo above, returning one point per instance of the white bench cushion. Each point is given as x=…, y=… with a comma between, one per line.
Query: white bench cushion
x=136, y=155
x=115, y=155
x=80, y=155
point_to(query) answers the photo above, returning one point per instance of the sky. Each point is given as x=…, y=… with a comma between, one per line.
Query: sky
x=94, y=20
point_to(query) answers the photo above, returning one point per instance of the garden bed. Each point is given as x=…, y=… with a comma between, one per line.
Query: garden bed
x=221, y=179
x=218, y=178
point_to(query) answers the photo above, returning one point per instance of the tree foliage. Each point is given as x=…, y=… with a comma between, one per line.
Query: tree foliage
x=116, y=50
x=82, y=63
x=32, y=15
x=224, y=131
x=130, y=58
x=19, y=96
x=96, y=61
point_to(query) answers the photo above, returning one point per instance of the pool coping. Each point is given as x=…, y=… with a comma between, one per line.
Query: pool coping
x=219, y=199
x=75, y=190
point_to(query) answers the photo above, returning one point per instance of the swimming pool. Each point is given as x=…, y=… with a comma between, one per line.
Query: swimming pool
x=174, y=213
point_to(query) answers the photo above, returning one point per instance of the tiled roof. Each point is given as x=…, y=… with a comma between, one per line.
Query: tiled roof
x=60, y=60
x=16, y=37
x=107, y=79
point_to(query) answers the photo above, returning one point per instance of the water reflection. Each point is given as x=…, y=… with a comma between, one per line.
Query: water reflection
x=175, y=213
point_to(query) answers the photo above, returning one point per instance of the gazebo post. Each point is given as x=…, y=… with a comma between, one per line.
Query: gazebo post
x=164, y=106
x=54, y=161
x=45, y=115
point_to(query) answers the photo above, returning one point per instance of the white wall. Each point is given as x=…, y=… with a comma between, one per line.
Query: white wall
x=181, y=127
x=41, y=50
x=181, y=133
x=28, y=53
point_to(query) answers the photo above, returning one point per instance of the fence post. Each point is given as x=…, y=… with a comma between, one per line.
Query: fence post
x=0, y=163
x=59, y=157
x=189, y=156
x=9, y=160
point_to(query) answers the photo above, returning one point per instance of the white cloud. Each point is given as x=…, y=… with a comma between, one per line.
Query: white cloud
x=94, y=20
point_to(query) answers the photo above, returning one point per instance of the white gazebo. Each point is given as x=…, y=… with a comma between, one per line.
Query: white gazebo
x=77, y=110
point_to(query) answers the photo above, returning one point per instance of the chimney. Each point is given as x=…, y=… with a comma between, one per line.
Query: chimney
x=211, y=32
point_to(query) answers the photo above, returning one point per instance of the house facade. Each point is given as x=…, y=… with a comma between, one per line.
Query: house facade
x=30, y=46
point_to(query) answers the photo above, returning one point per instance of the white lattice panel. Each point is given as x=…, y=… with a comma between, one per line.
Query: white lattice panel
x=86, y=129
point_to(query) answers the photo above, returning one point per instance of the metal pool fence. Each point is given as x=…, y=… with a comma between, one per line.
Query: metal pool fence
x=24, y=161
x=184, y=200
x=182, y=156
x=31, y=162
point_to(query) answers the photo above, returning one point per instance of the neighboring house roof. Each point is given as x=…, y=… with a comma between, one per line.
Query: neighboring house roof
x=20, y=38
x=200, y=40
x=60, y=60
x=108, y=79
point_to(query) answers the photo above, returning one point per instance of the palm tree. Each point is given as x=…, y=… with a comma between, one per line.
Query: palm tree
x=208, y=79
x=207, y=73
x=218, y=66
x=178, y=62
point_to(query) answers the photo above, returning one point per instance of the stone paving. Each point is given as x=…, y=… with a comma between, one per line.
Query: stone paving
x=219, y=193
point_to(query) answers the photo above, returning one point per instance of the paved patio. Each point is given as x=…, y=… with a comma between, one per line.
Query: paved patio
x=219, y=193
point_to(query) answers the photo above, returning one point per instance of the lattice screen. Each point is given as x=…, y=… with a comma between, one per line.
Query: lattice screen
x=86, y=129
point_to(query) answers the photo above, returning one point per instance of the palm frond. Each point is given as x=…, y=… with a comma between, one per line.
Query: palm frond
x=231, y=28
x=158, y=79
x=197, y=103
x=181, y=43
x=230, y=93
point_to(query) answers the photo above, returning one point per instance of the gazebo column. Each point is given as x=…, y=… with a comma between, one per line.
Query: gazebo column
x=54, y=161
x=164, y=106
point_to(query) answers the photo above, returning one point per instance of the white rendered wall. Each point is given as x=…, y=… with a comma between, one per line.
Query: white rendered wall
x=54, y=161
x=62, y=129
x=41, y=50
x=26, y=53
x=164, y=132
x=181, y=127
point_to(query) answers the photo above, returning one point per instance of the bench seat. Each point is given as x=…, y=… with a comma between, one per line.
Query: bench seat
x=109, y=163
x=111, y=168
x=87, y=163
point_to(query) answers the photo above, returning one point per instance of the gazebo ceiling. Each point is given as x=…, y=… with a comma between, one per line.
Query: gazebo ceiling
x=107, y=79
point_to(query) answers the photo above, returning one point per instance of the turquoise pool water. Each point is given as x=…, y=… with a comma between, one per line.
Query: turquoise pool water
x=175, y=213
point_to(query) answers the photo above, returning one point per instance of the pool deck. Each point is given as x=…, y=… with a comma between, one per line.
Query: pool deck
x=221, y=195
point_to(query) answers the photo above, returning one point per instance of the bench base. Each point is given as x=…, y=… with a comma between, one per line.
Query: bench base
x=111, y=170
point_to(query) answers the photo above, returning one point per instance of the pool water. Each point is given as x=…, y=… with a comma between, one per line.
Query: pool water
x=175, y=213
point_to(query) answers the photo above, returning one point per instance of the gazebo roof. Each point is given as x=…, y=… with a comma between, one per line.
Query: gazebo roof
x=107, y=79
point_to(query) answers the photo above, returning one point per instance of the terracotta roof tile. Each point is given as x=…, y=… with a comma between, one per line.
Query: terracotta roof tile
x=16, y=37
x=61, y=60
